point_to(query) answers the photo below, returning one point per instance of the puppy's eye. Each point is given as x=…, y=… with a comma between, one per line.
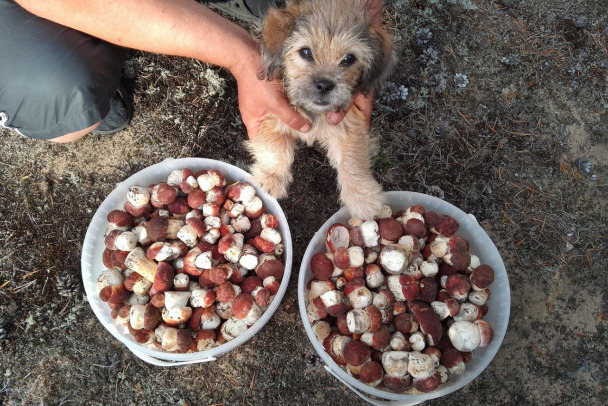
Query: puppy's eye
x=306, y=53
x=348, y=60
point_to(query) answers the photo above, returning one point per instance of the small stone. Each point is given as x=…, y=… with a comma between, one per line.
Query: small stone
x=581, y=22
x=511, y=59
x=584, y=165
x=435, y=191
x=313, y=360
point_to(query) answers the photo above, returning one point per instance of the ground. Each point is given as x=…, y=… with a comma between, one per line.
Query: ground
x=498, y=107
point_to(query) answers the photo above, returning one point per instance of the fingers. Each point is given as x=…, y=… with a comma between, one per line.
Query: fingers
x=362, y=102
x=335, y=117
x=289, y=116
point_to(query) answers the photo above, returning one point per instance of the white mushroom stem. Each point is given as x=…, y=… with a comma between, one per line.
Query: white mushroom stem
x=188, y=235
x=212, y=235
x=321, y=329
x=136, y=316
x=136, y=299
x=253, y=315
x=138, y=196
x=417, y=341
x=464, y=335
x=398, y=341
x=271, y=234
x=356, y=256
x=169, y=339
x=141, y=232
x=395, y=287
x=126, y=241
x=395, y=363
x=204, y=260
x=249, y=257
x=468, y=311
x=142, y=286
x=233, y=253
x=420, y=365
x=175, y=299
x=394, y=258
x=173, y=227
x=109, y=277
x=232, y=328
x=317, y=288
x=332, y=297
x=370, y=232
x=360, y=297
x=211, y=323
x=358, y=321
x=138, y=262
x=338, y=344
x=441, y=309
x=429, y=268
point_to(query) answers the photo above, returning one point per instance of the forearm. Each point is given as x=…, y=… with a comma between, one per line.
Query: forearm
x=172, y=27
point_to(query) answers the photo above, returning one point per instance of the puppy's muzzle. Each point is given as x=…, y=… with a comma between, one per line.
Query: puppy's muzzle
x=323, y=88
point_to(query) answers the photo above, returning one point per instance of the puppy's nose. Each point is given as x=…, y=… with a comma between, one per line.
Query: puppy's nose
x=324, y=86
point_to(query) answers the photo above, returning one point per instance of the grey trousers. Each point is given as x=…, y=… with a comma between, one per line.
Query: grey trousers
x=53, y=80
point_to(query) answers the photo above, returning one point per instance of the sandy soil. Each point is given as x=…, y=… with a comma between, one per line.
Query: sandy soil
x=505, y=116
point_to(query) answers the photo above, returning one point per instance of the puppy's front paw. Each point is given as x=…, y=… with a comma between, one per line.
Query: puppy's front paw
x=365, y=201
x=275, y=185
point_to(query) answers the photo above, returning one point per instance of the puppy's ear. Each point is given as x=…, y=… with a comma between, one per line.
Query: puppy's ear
x=276, y=27
x=373, y=78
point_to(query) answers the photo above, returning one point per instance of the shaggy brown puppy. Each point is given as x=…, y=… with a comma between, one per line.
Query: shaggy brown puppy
x=324, y=51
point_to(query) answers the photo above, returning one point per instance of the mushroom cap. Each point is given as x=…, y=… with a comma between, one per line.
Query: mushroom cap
x=429, y=321
x=371, y=373
x=356, y=352
x=321, y=266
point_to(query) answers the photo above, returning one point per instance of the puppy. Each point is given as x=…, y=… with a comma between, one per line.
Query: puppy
x=324, y=51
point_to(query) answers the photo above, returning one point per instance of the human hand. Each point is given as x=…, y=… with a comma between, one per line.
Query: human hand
x=362, y=102
x=260, y=98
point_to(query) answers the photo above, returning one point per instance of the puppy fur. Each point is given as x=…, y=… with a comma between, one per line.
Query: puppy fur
x=324, y=51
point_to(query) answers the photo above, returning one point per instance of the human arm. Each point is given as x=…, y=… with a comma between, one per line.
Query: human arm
x=182, y=28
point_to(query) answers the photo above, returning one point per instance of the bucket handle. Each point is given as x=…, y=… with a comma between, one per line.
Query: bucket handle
x=155, y=361
x=367, y=398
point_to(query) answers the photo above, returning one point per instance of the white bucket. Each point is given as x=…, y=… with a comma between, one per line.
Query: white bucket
x=499, y=305
x=93, y=246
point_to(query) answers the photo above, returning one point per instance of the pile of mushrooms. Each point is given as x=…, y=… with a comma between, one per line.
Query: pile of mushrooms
x=398, y=301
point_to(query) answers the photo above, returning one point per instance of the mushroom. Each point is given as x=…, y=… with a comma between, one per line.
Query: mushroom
x=464, y=335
